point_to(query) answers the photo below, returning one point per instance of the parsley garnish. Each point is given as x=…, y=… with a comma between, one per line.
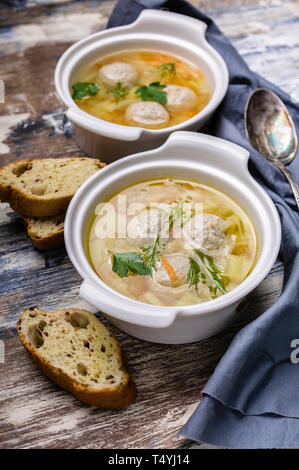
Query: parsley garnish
x=204, y=269
x=119, y=92
x=125, y=263
x=81, y=89
x=152, y=92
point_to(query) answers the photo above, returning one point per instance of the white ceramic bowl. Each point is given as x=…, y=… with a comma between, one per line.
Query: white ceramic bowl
x=153, y=30
x=212, y=161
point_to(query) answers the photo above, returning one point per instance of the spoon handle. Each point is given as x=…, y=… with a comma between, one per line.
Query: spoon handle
x=290, y=177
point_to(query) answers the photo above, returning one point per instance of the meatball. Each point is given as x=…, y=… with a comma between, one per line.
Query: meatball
x=213, y=235
x=146, y=226
x=208, y=234
x=172, y=270
x=146, y=113
x=180, y=98
x=111, y=74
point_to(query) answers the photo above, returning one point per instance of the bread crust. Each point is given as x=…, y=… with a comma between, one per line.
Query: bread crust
x=112, y=396
x=49, y=242
x=33, y=205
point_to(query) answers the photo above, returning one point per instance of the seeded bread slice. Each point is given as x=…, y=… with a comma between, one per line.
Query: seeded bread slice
x=45, y=233
x=44, y=187
x=74, y=349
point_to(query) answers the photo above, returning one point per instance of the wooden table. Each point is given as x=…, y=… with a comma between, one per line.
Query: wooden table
x=33, y=411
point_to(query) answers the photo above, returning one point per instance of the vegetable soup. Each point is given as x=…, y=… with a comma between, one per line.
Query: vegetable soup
x=171, y=242
x=147, y=89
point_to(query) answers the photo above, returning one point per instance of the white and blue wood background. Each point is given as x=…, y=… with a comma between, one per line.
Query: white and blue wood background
x=33, y=411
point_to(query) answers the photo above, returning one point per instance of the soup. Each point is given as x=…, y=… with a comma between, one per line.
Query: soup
x=141, y=88
x=171, y=242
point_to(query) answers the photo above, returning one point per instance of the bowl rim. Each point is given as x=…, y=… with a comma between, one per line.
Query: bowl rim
x=90, y=122
x=257, y=274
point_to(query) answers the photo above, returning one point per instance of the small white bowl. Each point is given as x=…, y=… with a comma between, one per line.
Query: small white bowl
x=212, y=161
x=175, y=34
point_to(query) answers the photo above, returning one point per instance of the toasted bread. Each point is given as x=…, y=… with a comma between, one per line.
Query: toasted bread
x=74, y=349
x=45, y=233
x=44, y=187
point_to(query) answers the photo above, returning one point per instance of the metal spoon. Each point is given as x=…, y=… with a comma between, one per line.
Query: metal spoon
x=271, y=131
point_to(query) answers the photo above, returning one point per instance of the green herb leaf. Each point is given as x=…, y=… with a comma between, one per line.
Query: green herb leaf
x=167, y=69
x=206, y=271
x=125, y=263
x=152, y=92
x=82, y=89
x=119, y=92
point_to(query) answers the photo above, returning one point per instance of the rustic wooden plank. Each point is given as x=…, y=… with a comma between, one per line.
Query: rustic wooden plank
x=33, y=411
x=32, y=112
x=265, y=32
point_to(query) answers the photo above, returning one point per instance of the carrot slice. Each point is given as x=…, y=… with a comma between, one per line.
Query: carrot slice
x=168, y=268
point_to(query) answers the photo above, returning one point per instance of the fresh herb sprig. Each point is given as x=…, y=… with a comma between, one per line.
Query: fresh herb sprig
x=152, y=92
x=204, y=269
x=119, y=92
x=82, y=89
x=177, y=214
x=151, y=255
x=194, y=275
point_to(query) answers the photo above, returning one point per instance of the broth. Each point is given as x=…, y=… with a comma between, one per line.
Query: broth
x=171, y=242
x=188, y=94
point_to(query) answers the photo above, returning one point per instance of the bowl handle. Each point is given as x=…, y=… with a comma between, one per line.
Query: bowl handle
x=154, y=21
x=101, y=127
x=125, y=310
x=236, y=157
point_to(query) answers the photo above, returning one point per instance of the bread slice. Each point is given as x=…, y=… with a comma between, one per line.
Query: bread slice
x=44, y=187
x=45, y=233
x=74, y=349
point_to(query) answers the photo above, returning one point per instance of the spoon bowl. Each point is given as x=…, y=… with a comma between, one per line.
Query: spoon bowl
x=271, y=131
x=269, y=127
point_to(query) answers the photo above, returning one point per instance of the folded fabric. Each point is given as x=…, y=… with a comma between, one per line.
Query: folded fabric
x=252, y=399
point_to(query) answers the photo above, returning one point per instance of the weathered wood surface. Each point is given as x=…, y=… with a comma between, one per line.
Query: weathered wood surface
x=33, y=411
